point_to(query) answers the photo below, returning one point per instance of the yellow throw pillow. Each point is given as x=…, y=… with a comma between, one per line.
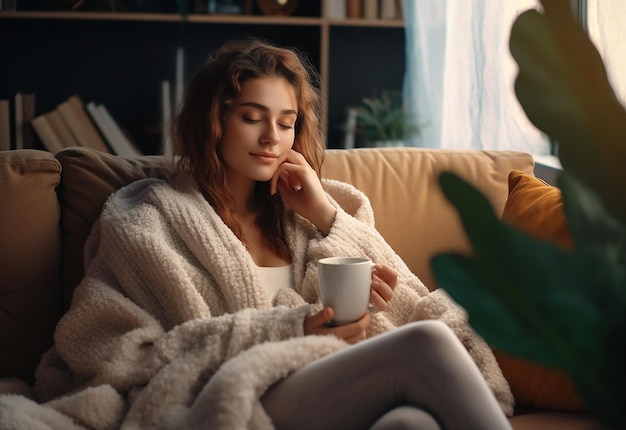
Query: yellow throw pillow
x=536, y=208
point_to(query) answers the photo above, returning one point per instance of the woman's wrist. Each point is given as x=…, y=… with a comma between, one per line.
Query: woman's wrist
x=325, y=219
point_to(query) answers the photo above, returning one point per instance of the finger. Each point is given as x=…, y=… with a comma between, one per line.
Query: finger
x=325, y=315
x=320, y=319
x=388, y=274
x=349, y=332
x=352, y=340
x=296, y=158
x=383, y=289
x=275, y=178
x=358, y=330
x=291, y=180
x=286, y=175
x=378, y=302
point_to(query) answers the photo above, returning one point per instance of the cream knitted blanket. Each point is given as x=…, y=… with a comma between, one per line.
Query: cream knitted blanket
x=171, y=327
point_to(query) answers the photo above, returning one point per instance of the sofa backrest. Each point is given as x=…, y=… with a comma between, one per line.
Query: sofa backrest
x=88, y=178
x=410, y=209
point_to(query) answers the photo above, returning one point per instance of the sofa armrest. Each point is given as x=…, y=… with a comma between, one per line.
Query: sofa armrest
x=30, y=255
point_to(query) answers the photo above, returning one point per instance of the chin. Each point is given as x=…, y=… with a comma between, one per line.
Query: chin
x=262, y=177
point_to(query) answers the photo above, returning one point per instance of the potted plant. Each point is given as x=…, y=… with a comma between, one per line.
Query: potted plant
x=382, y=120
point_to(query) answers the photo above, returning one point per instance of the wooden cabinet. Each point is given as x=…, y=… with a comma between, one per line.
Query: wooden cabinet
x=120, y=59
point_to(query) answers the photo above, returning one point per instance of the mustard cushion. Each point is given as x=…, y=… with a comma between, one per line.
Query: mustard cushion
x=536, y=208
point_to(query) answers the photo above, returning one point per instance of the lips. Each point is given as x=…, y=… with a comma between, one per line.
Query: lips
x=266, y=157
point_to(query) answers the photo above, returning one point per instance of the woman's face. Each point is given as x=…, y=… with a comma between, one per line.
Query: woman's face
x=259, y=129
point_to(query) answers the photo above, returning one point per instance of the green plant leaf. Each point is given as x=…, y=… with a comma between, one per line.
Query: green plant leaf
x=529, y=302
x=590, y=224
x=383, y=118
x=564, y=89
x=551, y=306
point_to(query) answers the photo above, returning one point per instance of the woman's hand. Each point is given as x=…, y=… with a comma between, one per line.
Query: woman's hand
x=351, y=333
x=384, y=282
x=302, y=190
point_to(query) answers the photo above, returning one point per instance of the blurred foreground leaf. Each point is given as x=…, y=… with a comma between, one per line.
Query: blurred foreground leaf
x=564, y=89
x=536, y=300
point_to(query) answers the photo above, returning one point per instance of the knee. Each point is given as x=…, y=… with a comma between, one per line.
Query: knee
x=428, y=332
x=406, y=418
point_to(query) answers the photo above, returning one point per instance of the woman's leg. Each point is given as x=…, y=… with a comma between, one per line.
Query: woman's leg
x=406, y=418
x=422, y=364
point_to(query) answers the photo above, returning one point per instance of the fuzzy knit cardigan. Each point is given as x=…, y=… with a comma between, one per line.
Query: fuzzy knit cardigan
x=171, y=327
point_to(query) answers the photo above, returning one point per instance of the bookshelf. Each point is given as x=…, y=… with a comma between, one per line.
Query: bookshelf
x=120, y=58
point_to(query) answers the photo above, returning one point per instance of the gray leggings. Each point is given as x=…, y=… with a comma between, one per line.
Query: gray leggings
x=416, y=377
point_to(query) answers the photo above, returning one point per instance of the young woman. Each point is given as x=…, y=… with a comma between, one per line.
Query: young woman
x=199, y=308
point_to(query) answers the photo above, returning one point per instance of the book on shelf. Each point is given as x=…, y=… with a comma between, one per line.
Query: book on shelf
x=81, y=126
x=335, y=9
x=166, y=113
x=18, y=127
x=28, y=113
x=179, y=82
x=350, y=130
x=53, y=131
x=23, y=113
x=370, y=9
x=354, y=9
x=114, y=135
x=47, y=135
x=8, y=4
x=5, y=125
x=61, y=129
x=390, y=9
x=399, y=12
x=18, y=121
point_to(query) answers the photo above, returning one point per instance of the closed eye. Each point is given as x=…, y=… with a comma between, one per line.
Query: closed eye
x=251, y=121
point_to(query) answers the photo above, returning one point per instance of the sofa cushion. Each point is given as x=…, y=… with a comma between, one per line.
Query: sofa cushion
x=30, y=251
x=410, y=209
x=536, y=208
x=89, y=177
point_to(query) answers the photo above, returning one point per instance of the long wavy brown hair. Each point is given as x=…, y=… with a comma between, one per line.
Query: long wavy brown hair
x=198, y=126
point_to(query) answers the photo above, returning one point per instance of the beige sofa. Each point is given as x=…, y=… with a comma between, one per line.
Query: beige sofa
x=48, y=204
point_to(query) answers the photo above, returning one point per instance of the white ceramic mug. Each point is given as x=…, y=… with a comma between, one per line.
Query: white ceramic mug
x=344, y=284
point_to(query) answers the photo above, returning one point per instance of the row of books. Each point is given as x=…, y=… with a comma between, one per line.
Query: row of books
x=363, y=9
x=71, y=123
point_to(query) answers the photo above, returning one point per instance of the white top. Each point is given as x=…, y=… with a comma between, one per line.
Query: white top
x=275, y=278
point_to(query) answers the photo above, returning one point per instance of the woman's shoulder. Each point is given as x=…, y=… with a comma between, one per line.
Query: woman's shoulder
x=352, y=200
x=148, y=190
x=136, y=192
x=344, y=191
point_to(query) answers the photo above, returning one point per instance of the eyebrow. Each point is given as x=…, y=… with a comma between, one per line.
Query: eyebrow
x=266, y=109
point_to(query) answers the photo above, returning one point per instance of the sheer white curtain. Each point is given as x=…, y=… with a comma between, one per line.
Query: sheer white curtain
x=459, y=78
x=606, y=21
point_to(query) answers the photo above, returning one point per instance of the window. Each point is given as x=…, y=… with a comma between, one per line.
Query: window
x=605, y=22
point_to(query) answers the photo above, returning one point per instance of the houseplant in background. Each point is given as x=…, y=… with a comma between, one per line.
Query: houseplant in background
x=381, y=120
x=562, y=308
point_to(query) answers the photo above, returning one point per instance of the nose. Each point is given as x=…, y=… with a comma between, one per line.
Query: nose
x=270, y=134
